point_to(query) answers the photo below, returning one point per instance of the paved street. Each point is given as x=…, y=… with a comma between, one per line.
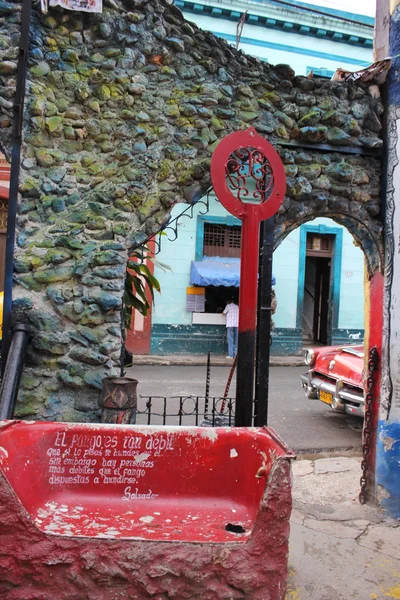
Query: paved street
x=339, y=549
x=305, y=425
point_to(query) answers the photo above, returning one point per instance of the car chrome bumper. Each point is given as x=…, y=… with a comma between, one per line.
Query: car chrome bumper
x=343, y=400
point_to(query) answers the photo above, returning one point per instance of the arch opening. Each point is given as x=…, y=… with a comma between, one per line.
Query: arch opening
x=367, y=234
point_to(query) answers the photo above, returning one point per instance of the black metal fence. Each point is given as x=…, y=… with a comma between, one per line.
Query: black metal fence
x=185, y=410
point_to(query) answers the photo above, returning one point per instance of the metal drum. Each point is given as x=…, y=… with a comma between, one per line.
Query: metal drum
x=119, y=400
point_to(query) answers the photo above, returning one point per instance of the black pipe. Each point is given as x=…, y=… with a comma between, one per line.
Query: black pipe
x=245, y=378
x=13, y=370
x=18, y=109
x=264, y=322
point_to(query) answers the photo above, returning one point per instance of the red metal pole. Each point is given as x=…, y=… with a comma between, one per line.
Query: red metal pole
x=247, y=319
x=230, y=181
x=374, y=319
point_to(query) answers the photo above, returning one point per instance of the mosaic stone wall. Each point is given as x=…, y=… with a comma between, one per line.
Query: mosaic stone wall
x=123, y=111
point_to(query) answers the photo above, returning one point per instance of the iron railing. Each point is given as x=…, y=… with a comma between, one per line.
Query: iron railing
x=185, y=410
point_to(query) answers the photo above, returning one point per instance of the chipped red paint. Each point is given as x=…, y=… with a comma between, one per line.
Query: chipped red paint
x=83, y=540
x=374, y=338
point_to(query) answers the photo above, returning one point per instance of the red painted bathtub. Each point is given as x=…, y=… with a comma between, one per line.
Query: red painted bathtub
x=105, y=512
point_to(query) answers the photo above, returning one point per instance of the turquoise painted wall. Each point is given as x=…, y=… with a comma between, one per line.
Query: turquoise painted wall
x=170, y=306
x=351, y=312
x=314, y=46
x=351, y=305
x=286, y=271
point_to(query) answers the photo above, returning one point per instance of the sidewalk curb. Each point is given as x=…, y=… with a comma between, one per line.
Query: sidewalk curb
x=201, y=361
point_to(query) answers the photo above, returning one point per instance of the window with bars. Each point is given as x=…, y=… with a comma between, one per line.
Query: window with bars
x=319, y=245
x=222, y=240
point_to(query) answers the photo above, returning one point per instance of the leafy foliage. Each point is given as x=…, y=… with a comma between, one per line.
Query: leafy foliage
x=138, y=280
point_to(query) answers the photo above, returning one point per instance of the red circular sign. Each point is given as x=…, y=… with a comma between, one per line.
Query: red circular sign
x=242, y=160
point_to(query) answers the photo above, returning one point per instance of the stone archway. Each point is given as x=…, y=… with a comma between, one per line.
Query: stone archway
x=123, y=112
x=367, y=235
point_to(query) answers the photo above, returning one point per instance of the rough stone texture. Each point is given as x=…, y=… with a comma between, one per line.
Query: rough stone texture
x=81, y=568
x=123, y=112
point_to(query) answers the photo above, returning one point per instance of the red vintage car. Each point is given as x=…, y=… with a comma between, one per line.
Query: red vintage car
x=336, y=377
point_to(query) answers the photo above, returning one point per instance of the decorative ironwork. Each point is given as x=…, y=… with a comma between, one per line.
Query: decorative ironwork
x=367, y=432
x=248, y=168
x=3, y=214
x=184, y=410
x=170, y=229
x=244, y=157
x=208, y=377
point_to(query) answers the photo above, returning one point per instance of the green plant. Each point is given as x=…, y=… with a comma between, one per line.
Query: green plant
x=139, y=280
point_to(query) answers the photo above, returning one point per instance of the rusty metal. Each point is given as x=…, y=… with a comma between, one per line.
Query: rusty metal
x=239, y=28
x=361, y=150
x=207, y=392
x=367, y=431
x=229, y=381
x=118, y=400
x=249, y=180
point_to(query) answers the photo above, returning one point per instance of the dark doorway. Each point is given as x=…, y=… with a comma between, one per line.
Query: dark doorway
x=316, y=322
x=217, y=297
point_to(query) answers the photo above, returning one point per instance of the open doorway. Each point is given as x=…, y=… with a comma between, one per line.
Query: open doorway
x=320, y=286
x=316, y=316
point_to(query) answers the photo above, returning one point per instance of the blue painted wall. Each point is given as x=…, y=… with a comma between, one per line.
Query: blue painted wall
x=286, y=271
x=296, y=37
x=172, y=330
x=387, y=474
x=170, y=305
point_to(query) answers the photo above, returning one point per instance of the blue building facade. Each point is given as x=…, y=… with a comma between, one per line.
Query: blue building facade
x=319, y=271
x=305, y=36
x=177, y=328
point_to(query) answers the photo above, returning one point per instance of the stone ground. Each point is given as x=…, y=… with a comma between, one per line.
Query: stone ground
x=339, y=549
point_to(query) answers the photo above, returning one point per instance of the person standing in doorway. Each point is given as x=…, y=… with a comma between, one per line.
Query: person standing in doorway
x=232, y=323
